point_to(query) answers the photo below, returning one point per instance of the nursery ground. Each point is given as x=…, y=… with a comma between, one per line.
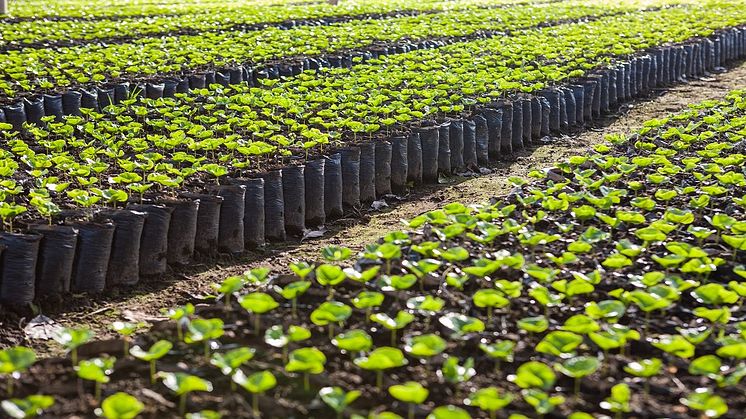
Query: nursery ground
x=145, y=302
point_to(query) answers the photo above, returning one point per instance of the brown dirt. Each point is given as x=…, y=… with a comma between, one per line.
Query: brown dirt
x=146, y=301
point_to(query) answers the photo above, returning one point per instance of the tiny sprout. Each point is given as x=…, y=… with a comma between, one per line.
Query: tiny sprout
x=411, y=392
x=120, y=406
x=157, y=351
x=28, y=407
x=256, y=383
x=14, y=361
x=338, y=399
x=489, y=399
x=97, y=370
x=72, y=339
x=182, y=384
x=126, y=330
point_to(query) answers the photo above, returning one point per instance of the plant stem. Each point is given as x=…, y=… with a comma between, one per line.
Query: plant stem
x=379, y=379
x=255, y=403
x=294, y=303
x=577, y=386
x=152, y=371
x=10, y=385
x=306, y=383
x=182, y=404
x=97, y=391
x=257, y=324
x=411, y=411
x=74, y=356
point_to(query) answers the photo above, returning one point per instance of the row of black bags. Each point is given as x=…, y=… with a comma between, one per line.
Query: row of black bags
x=119, y=247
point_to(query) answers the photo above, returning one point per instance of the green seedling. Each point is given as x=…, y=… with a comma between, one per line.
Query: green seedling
x=306, y=361
x=275, y=336
x=702, y=399
x=97, y=370
x=490, y=299
x=542, y=402
x=228, y=288
x=534, y=374
x=329, y=276
x=292, y=291
x=28, y=407
x=126, y=330
x=72, y=339
x=181, y=316
x=353, y=341
x=412, y=393
x=489, y=399
x=424, y=346
x=338, y=399
x=231, y=361
x=618, y=402
x=448, y=412
x=120, y=406
x=501, y=350
x=381, y=359
x=157, y=351
x=258, y=303
x=204, y=331
x=644, y=368
x=577, y=368
x=368, y=300
x=454, y=373
x=182, y=384
x=256, y=383
x=329, y=313
x=461, y=325
x=402, y=319
x=13, y=362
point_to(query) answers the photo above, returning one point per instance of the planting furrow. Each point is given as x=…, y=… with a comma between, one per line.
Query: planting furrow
x=243, y=213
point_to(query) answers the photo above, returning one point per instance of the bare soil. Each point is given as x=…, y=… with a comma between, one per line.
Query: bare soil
x=145, y=302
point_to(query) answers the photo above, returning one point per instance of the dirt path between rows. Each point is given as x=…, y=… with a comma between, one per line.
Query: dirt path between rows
x=145, y=303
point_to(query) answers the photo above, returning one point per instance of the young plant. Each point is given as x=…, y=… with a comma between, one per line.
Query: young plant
x=181, y=316
x=126, y=330
x=256, y=383
x=275, y=336
x=258, y=303
x=644, y=368
x=461, y=325
x=353, y=341
x=338, y=399
x=402, y=319
x=501, y=350
x=424, y=346
x=455, y=373
x=412, y=393
x=229, y=287
x=381, y=359
x=489, y=399
x=292, y=291
x=702, y=399
x=182, y=384
x=329, y=313
x=491, y=299
x=204, y=331
x=13, y=362
x=306, y=361
x=157, y=351
x=72, y=339
x=368, y=300
x=28, y=407
x=97, y=370
x=618, y=402
x=231, y=361
x=577, y=368
x=120, y=406
x=329, y=276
